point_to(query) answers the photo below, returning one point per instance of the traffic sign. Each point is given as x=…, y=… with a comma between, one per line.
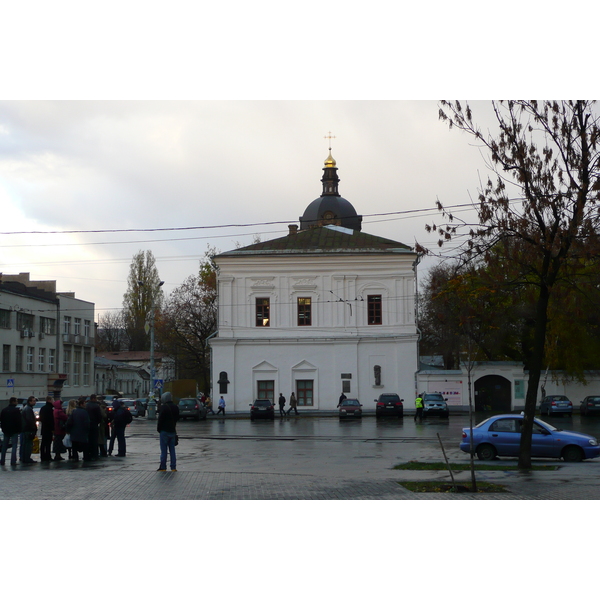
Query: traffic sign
x=158, y=383
x=10, y=383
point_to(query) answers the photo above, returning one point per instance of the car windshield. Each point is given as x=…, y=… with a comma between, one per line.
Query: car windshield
x=39, y=404
x=262, y=403
x=350, y=403
x=434, y=398
x=187, y=402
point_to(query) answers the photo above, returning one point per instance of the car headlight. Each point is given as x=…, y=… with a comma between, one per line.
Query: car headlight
x=593, y=442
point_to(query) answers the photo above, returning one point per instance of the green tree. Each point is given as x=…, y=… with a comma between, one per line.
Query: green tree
x=188, y=319
x=143, y=292
x=544, y=193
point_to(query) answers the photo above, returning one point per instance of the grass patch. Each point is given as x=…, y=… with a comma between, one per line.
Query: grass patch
x=415, y=465
x=483, y=487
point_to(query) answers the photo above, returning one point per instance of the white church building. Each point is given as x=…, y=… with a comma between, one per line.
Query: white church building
x=323, y=310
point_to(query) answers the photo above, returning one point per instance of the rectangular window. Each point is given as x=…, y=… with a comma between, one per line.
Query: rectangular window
x=374, y=308
x=6, y=357
x=266, y=390
x=51, y=355
x=19, y=358
x=47, y=326
x=262, y=312
x=76, y=366
x=67, y=325
x=77, y=326
x=86, y=367
x=4, y=318
x=29, y=359
x=87, y=327
x=304, y=311
x=24, y=321
x=304, y=392
x=67, y=360
x=42, y=359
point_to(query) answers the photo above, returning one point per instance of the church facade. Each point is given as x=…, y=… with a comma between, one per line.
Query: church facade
x=323, y=310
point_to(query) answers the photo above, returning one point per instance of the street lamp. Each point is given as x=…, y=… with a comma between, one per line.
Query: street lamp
x=152, y=402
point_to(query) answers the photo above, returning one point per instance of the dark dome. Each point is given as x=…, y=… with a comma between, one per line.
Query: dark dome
x=330, y=210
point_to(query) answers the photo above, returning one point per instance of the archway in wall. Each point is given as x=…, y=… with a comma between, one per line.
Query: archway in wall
x=493, y=393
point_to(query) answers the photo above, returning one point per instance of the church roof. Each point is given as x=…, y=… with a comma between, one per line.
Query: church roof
x=323, y=240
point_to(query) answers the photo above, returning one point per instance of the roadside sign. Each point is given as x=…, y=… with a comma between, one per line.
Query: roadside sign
x=158, y=383
x=10, y=383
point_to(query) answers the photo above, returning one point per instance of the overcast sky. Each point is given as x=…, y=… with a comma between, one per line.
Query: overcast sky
x=217, y=166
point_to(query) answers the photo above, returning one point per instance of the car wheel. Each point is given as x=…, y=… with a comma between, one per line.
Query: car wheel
x=572, y=454
x=486, y=452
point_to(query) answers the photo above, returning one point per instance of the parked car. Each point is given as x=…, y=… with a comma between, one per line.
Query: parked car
x=501, y=436
x=590, y=405
x=389, y=405
x=262, y=409
x=435, y=405
x=556, y=405
x=350, y=408
x=133, y=406
x=192, y=408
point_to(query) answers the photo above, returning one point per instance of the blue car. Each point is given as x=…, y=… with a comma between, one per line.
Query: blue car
x=501, y=436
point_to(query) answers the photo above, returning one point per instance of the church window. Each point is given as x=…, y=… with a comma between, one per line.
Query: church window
x=262, y=312
x=304, y=311
x=374, y=310
x=305, y=392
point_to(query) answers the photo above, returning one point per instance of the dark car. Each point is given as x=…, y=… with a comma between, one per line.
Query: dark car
x=262, y=409
x=501, y=436
x=389, y=405
x=350, y=408
x=435, y=405
x=556, y=405
x=590, y=406
x=192, y=408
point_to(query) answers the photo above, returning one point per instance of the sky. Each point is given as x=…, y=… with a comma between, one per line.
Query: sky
x=209, y=174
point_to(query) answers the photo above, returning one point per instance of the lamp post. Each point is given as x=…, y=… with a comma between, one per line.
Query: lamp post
x=152, y=401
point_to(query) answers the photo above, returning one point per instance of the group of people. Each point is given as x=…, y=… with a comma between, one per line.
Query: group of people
x=87, y=427
x=208, y=404
x=293, y=404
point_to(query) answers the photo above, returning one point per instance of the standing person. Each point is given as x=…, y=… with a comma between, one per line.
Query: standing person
x=342, y=398
x=78, y=426
x=10, y=421
x=419, y=407
x=281, y=404
x=70, y=408
x=293, y=404
x=208, y=404
x=95, y=414
x=60, y=420
x=221, y=406
x=47, y=423
x=28, y=431
x=167, y=429
x=121, y=417
x=103, y=433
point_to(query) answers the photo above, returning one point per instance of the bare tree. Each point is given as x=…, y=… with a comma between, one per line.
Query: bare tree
x=546, y=154
x=111, y=335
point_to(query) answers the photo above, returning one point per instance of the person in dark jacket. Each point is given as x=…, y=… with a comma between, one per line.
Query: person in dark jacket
x=47, y=426
x=121, y=417
x=28, y=431
x=95, y=414
x=282, y=405
x=60, y=420
x=167, y=429
x=78, y=426
x=10, y=421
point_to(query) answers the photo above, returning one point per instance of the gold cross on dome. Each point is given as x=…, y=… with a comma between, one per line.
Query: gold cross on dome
x=330, y=137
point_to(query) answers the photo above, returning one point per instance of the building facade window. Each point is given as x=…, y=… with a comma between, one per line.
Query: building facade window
x=4, y=318
x=19, y=358
x=47, y=326
x=304, y=312
x=6, y=357
x=41, y=359
x=374, y=310
x=304, y=392
x=51, y=361
x=76, y=366
x=87, y=328
x=66, y=361
x=77, y=326
x=266, y=390
x=67, y=325
x=24, y=321
x=29, y=359
x=86, y=367
x=263, y=312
